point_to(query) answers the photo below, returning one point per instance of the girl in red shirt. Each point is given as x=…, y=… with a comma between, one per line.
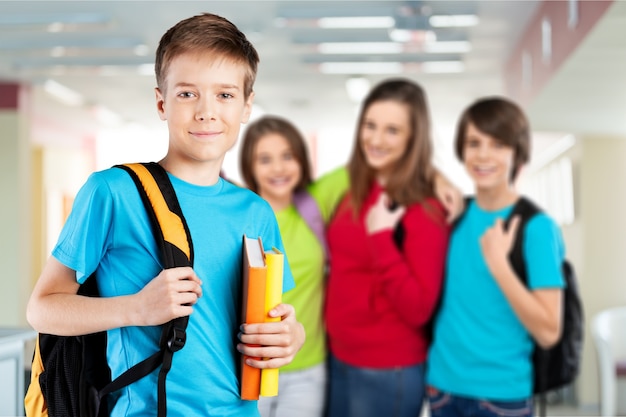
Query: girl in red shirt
x=382, y=288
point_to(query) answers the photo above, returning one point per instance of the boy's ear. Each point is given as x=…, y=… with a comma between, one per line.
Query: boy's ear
x=160, y=103
x=247, y=108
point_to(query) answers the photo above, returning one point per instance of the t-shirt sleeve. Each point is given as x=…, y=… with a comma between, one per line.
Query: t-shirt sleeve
x=82, y=242
x=328, y=191
x=544, y=253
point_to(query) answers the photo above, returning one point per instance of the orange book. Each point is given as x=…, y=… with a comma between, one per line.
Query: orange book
x=254, y=273
x=275, y=261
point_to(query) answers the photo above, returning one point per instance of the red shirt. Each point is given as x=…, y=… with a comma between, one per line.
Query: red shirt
x=379, y=298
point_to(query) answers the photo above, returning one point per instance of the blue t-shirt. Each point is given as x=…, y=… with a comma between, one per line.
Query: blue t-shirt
x=481, y=349
x=108, y=231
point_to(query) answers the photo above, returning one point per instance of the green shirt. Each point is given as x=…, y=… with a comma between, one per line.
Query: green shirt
x=307, y=264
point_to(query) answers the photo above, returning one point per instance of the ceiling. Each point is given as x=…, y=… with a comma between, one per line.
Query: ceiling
x=104, y=51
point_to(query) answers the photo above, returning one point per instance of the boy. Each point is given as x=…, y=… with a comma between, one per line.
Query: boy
x=480, y=361
x=205, y=70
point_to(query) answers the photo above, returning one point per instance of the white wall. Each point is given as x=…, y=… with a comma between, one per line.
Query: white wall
x=596, y=240
x=603, y=235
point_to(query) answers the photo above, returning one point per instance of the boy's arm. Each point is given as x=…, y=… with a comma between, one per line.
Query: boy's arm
x=280, y=341
x=449, y=195
x=538, y=310
x=55, y=308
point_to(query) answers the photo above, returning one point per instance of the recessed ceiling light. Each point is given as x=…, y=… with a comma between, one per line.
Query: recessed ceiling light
x=57, y=51
x=460, y=20
x=62, y=93
x=357, y=88
x=141, y=50
x=408, y=35
x=442, y=67
x=447, y=47
x=360, y=67
x=360, y=48
x=365, y=22
x=55, y=27
x=146, y=69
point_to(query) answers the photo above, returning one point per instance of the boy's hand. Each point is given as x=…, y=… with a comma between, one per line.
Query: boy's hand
x=450, y=196
x=169, y=295
x=279, y=341
x=381, y=216
x=496, y=244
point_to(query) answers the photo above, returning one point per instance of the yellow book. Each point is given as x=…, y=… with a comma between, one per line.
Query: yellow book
x=274, y=260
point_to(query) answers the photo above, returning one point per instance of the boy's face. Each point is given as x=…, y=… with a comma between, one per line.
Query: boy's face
x=488, y=161
x=204, y=106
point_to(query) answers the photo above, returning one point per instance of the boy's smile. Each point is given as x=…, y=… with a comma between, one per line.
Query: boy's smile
x=204, y=105
x=488, y=161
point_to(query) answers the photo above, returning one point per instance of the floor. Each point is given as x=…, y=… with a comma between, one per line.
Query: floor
x=570, y=411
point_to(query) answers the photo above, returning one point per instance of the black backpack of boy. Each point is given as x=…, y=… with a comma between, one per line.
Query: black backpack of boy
x=558, y=366
x=76, y=380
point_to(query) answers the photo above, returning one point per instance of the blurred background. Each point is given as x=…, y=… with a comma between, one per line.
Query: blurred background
x=77, y=95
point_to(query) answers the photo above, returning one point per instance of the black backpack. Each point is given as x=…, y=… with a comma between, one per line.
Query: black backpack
x=558, y=366
x=75, y=378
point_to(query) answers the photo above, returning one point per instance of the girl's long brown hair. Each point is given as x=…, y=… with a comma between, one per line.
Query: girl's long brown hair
x=411, y=180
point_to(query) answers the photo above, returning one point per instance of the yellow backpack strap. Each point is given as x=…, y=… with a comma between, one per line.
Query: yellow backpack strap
x=34, y=402
x=172, y=235
x=162, y=205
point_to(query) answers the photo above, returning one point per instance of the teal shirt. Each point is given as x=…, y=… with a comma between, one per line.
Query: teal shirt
x=480, y=348
x=108, y=231
x=307, y=263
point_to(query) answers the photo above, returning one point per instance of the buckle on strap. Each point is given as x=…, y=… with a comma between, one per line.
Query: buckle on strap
x=177, y=339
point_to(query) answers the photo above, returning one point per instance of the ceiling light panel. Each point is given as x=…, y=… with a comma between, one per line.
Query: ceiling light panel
x=448, y=21
x=362, y=22
x=360, y=48
x=318, y=10
x=361, y=67
x=53, y=21
x=82, y=41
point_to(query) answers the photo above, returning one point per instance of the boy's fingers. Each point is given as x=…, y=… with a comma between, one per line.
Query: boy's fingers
x=513, y=225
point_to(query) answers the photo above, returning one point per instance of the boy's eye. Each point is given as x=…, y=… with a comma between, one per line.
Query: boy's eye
x=226, y=95
x=186, y=94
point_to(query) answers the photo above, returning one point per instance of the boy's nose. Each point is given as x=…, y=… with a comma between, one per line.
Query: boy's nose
x=483, y=151
x=204, y=111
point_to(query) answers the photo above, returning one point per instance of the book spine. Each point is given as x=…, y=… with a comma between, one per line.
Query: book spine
x=273, y=297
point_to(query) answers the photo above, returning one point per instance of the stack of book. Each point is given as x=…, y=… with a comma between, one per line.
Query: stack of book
x=262, y=291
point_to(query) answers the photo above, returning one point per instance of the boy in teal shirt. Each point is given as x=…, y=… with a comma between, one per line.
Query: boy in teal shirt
x=205, y=70
x=479, y=364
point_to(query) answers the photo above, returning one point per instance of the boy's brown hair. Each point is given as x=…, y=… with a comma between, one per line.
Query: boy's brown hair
x=412, y=179
x=206, y=33
x=264, y=126
x=501, y=119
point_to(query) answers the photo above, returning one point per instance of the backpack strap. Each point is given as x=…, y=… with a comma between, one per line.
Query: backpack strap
x=174, y=240
x=309, y=211
x=467, y=200
x=525, y=209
